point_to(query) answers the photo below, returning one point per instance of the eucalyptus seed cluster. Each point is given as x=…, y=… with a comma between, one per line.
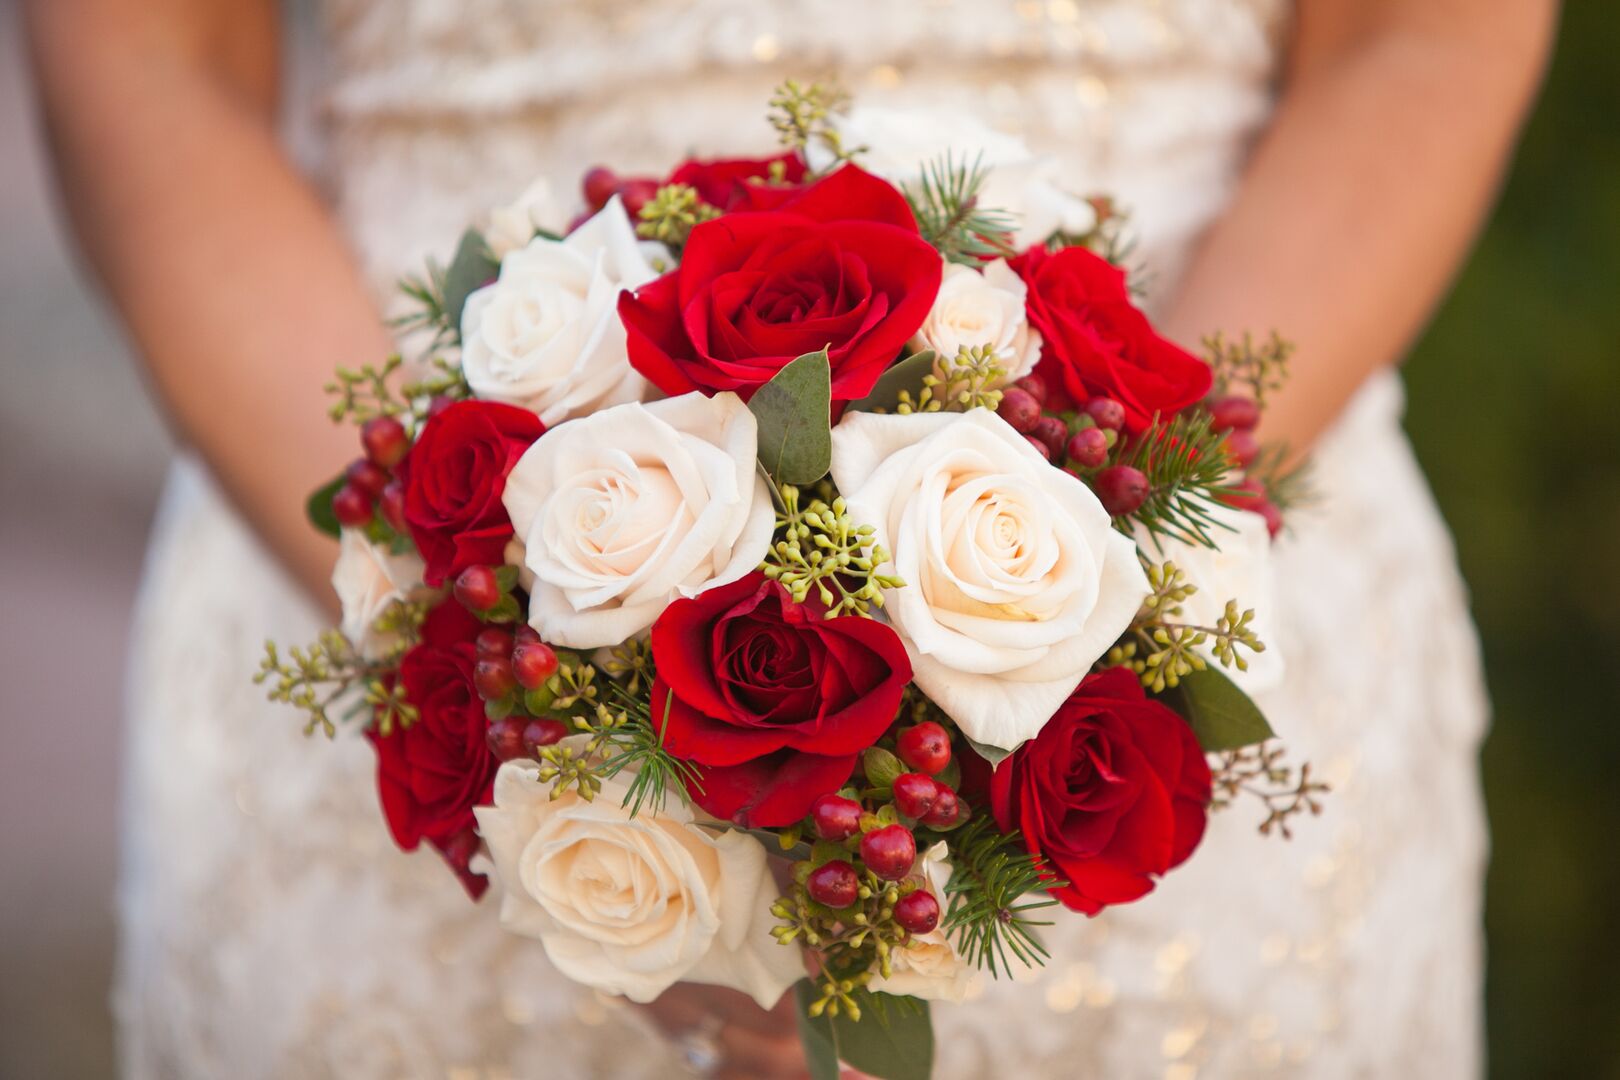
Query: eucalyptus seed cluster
x=313, y=677
x=854, y=942
x=1162, y=650
x=578, y=767
x=969, y=380
x=802, y=114
x=631, y=664
x=821, y=547
x=672, y=213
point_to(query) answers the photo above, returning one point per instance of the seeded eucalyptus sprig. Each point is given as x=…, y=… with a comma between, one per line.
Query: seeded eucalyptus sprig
x=1163, y=650
x=671, y=215
x=971, y=380
x=314, y=678
x=1247, y=365
x=820, y=547
x=1259, y=772
x=802, y=114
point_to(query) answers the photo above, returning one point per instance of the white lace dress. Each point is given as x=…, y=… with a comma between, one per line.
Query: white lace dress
x=272, y=930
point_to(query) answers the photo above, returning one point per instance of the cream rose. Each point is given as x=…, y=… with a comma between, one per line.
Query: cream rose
x=973, y=309
x=1016, y=582
x=1240, y=569
x=512, y=226
x=632, y=905
x=929, y=967
x=901, y=142
x=624, y=510
x=367, y=579
x=546, y=333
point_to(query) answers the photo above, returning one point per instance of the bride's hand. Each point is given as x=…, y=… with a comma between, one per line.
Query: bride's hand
x=726, y=1035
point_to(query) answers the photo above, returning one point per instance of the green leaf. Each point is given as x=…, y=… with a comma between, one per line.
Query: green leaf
x=881, y=767
x=893, y=1040
x=1222, y=716
x=794, y=415
x=995, y=755
x=506, y=576
x=906, y=375
x=469, y=271
x=318, y=507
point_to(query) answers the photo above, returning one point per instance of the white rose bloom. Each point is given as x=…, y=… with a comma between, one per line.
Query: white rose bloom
x=974, y=308
x=624, y=510
x=633, y=905
x=1015, y=580
x=546, y=334
x=929, y=967
x=368, y=578
x=1239, y=569
x=901, y=143
x=512, y=226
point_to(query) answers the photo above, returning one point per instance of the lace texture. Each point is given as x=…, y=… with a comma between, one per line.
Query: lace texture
x=272, y=930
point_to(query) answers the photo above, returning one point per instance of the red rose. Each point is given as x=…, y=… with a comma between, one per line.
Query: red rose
x=1096, y=342
x=724, y=183
x=431, y=774
x=454, y=477
x=772, y=700
x=1113, y=792
x=837, y=265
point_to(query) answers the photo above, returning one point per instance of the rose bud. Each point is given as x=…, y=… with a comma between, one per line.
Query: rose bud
x=385, y=440
x=1107, y=412
x=834, y=884
x=542, y=732
x=352, y=507
x=1054, y=433
x=478, y=589
x=533, y=664
x=492, y=677
x=917, y=912
x=925, y=747
x=1088, y=447
x=505, y=738
x=835, y=817
x=914, y=794
x=1020, y=409
x=889, y=852
x=945, y=809
x=1234, y=413
x=1121, y=489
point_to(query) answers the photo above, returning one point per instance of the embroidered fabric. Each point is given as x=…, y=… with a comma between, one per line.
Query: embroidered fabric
x=272, y=930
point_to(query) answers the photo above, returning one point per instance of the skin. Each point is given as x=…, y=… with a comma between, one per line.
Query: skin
x=1389, y=140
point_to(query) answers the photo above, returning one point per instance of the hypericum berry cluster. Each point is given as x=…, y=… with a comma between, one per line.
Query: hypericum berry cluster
x=601, y=184
x=522, y=681
x=369, y=484
x=1082, y=445
x=1238, y=416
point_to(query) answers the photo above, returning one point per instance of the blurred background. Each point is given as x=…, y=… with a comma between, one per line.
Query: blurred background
x=1511, y=409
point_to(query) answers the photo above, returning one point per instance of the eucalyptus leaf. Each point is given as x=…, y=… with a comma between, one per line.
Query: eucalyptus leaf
x=793, y=411
x=318, y=507
x=1222, y=716
x=893, y=1039
x=470, y=270
x=906, y=375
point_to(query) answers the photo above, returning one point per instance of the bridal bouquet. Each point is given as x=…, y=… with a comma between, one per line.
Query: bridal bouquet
x=814, y=563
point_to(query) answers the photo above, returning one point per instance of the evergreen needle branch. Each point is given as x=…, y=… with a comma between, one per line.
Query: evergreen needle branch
x=988, y=916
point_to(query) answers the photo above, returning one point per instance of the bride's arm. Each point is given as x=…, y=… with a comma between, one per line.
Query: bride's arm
x=1395, y=123
x=233, y=282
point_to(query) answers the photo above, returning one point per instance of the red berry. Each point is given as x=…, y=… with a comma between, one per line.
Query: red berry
x=1040, y=447
x=889, y=852
x=505, y=738
x=1088, y=447
x=1234, y=413
x=477, y=588
x=533, y=664
x=1054, y=433
x=1121, y=489
x=914, y=794
x=1020, y=409
x=492, y=677
x=385, y=440
x=1274, y=519
x=1035, y=385
x=926, y=747
x=367, y=477
x=835, y=817
x=1107, y=412
x=1242, y=447
x=1247, y=494
x=542, y=732
x=493, y=642
x=834, y=884
x=947, y=807
x=636, y=194
x=526, y=635
x=352, y=507
x=598, y=186
x=917, y=911
x=392, y=506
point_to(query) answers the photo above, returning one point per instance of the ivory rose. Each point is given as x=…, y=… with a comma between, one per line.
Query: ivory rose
x=512, y=226
x=976, y=308
x=546, y=333
x=624, y=510
x=632, y=905
x=1016, y=582
x=367, y=579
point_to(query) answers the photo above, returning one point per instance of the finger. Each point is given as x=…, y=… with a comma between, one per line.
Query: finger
x=773, y=1057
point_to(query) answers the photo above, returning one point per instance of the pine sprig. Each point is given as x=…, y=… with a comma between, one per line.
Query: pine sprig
x=431, y=311
x=640, y=746
x=1287, y=483
x=991, y=874
x=945, y=202
x=1188, y=472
